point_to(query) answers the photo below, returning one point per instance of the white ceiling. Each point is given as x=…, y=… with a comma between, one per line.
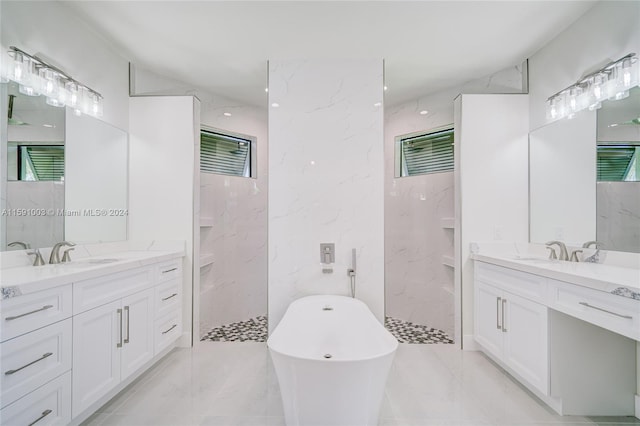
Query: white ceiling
x=223, y=46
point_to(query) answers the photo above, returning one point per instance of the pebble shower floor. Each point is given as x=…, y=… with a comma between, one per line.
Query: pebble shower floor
x=255, y=330
x=408, y=332
x=252, y=330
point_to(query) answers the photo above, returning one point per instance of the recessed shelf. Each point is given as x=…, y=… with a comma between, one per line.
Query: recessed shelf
x=206, y=259
x=447, y=222
x=206, y=222
x=448, y=260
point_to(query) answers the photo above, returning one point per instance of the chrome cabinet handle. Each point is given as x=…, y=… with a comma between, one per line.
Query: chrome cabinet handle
x=171, y=328
x=126, y=310
x=504, y=302
x=604, y=310
x=10, y=372
x=119, y=344
x=169, y=297
x=169, y=270
x=44, y=308
x=45, y=413
x=498, y=325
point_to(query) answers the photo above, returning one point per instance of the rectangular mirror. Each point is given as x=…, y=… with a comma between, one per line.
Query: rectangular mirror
x=583, y=177
x=64, y=176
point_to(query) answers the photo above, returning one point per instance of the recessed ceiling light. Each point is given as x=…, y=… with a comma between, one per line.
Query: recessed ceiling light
x=424, y=112
x=226, y=114
x=266, y=89
x=384, y=88
x=49, y=125
x=377, y=104
x=275, y=105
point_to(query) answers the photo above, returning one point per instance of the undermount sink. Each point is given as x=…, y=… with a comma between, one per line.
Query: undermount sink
x=85, y=263
x=534, y=259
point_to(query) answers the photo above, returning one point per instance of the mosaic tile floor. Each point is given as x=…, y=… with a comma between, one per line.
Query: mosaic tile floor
x=408, y=332
x=252, y=330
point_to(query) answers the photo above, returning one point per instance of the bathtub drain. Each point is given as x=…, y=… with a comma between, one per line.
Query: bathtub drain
x=327, y=356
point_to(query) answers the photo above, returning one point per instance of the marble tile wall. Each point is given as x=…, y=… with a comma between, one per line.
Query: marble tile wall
x=234, y=287
x=325, y=179
x=618, y=215
x=39, y=230
x=418, y=286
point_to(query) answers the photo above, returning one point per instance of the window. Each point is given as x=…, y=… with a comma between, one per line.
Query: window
x=227, y=154
x=424, y=153
x=618, y=162
x=30, y=162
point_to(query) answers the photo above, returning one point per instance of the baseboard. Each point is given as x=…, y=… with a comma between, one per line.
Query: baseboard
x=469, y=343
x=638, y=406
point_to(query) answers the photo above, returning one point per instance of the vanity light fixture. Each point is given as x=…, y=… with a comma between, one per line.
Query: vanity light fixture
x=611, y=82
x=35, y=77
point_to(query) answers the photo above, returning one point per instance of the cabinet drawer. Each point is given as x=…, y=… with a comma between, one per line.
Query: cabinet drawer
x=167, y=330
x=47, y=405
x=169, y=270
x=99, y=291
x=615, y=313
x=31, y=360
x=168, y=297
x=530, y=286
x=22, y=314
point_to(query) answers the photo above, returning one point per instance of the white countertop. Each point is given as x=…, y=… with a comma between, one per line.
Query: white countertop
x=28, y=279
x=612, y=279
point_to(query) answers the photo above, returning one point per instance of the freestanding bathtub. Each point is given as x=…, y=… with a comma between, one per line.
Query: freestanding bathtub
x=332, y=358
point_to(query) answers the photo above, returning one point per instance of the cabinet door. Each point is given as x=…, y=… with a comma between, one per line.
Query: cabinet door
x=137, y=348
x=96, y=355
x=526, y=340
x=488, y=314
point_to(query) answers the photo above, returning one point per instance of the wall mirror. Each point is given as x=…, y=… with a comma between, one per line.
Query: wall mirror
x=64, y=176
x=584, y=177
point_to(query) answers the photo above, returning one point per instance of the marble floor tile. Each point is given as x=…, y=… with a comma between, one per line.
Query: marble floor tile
x=234, y=383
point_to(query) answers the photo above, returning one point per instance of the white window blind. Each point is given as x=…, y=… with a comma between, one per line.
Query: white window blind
x=225, y=154
x=427, y=153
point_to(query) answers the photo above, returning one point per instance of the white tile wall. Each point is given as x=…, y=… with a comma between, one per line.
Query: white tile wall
x=36, y=229
x=325, y=179
x=618, y=221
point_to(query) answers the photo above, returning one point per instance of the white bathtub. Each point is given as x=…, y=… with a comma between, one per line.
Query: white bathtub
x=332, y=358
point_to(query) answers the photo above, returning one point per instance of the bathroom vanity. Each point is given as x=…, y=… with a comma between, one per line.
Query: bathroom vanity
x=75, y=334
x=565, y=330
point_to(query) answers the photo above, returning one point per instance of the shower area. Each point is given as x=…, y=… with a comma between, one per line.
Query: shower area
x=419, y=236
x=233, y=236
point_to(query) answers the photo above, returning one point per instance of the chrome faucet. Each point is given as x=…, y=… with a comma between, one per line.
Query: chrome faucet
x=38, y=260
x=595, y=257
x=563, y=249
x=55, y=251
x=591, y=243
x=25, y=246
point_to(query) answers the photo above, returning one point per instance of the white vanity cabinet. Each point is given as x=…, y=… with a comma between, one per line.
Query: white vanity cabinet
x=511, y=328
x=572, y=346
x=36, y=357
x=110, y=343
x=113, y=341
x=69, y=347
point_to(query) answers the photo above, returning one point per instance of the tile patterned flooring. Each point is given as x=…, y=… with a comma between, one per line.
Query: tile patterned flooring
x=408, y=332
x=255, y=330
x=235, y=384
x=252, y=330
